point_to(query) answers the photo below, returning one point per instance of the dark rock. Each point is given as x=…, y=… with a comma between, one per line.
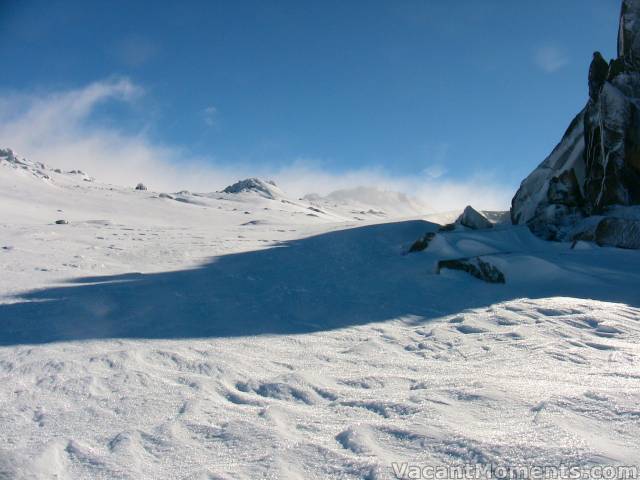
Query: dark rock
x=612, y=150
x=449, y=227
x=61, y=222
x=475, y=267
x=584, y=236
x=422, y=243
x=629, y=34
x=616, y=67
x=473, y=219
x=596, y=165
x=565, y=190
x=618, y=232
x=598, y=72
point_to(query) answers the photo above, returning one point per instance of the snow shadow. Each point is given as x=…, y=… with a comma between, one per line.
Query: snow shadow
x=333, y=280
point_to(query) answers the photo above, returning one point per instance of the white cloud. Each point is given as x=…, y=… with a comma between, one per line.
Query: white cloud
x=434, y=171
x=55, y=128
x=482, y=191
x=438, y=157
x=550, y=58
x=211, y=116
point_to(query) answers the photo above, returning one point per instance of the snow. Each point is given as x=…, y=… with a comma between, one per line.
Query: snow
x=371, y=200
x=178, y=336
x=267, y=189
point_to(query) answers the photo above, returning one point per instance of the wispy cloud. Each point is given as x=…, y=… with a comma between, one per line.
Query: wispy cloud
x=135, y=50
x=550, y=58
x=439, y=194
x=211, y=116
x=435, y=170
x=437, y=158
x=55, y=128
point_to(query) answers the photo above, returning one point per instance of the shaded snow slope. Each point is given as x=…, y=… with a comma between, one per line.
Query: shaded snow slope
x=225, y=336
x=332, y=280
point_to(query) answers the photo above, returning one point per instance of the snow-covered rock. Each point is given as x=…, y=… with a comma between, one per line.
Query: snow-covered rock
x=475, y=267
x=596, y=165
x=265, y=188
x=422, y=243
x=473, y=219
x=10, y=159
x=7, y=155
x=618, y=232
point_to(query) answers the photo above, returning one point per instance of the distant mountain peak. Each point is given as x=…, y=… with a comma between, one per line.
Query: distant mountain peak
x=9, y=158
x=265, y=188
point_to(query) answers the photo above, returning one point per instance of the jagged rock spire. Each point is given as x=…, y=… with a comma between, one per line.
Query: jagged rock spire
x=598, y=71
x=595, y=169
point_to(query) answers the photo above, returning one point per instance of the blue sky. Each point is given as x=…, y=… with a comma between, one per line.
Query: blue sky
x=407, y=89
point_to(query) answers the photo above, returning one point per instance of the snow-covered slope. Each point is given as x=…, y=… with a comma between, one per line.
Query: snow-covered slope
x=371, y=201
x=226, y=336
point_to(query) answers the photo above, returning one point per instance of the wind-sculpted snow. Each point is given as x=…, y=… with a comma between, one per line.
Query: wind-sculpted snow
x=521, y=382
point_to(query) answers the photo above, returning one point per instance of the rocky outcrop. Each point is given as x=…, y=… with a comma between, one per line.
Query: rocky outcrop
x=7, y=155
x=476, y=267
x=422, y=243
x=473, y=219
x=267, y=189
x=596, y=165
x=618, y=232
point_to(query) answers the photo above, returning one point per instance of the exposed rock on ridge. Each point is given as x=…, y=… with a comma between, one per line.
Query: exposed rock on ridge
x=267, y=189
x=596, y=166
x=473, y=219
